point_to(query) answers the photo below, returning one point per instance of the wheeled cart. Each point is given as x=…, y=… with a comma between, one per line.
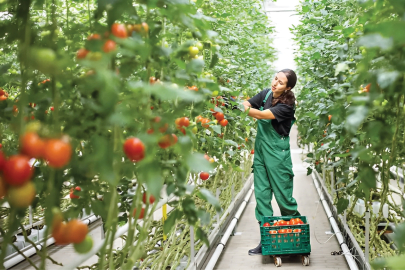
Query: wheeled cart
x=285, y=236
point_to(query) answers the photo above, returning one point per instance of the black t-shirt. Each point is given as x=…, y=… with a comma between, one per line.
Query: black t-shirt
x=284, y=113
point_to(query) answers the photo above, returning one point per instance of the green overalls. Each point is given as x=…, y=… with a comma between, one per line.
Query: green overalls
x=272, y=167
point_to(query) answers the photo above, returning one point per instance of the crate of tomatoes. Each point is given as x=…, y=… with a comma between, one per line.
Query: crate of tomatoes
x=285, y=235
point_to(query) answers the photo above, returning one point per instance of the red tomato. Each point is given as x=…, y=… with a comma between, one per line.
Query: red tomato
x=3, y=97
x=141, y=28
x=289, y=230
x=266, y=224
x=219, y=116
x=94, y=36
x=167, y=140
x=282, y=222
x=273, y=232
x=223, y=122
x=253, y=151
x=134, y=149
x=282, y=231
x=81, y=53
x=329, y=117
x=76, y=231
x=119, y=30
x=163, y=128
x=206, y=157
x=177, y=122
x=287, y=223
x=2, y=161
x=204, y=123
x=52, y=108
x=175, y=139
x=72, y=195
x=297, y=230
x=150, y=131
x=17, y=170
x=152, y=80
x=221, y=135
x=293, y=222
x=32, y=145
x=199, y=119
x=184, y=121
x=109, y=46
x=193, y=88
x=57, y=153
x=151, y=107
x=204, y=175
x=135, y=214
x=151, y=198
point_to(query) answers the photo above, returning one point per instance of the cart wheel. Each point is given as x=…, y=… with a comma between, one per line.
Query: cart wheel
x=277, y=261
x=305, y=260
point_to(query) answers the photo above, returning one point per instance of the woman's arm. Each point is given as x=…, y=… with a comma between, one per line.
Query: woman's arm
x=266, y=114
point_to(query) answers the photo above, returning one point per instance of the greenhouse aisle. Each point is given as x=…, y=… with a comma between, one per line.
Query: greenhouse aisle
x=235, y=255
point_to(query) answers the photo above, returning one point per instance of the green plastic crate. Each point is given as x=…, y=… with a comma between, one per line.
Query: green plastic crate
x=285, y=243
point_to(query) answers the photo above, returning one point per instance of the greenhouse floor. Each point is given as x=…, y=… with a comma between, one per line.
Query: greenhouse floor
x=235, y=255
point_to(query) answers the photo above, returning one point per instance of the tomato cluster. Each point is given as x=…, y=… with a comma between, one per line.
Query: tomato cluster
x=3, y=95
x=182, y=122
x=17, y=170
x=109, y=45
x=145, y=200
x=293, y=221
x=285, y=231
x=72, y=232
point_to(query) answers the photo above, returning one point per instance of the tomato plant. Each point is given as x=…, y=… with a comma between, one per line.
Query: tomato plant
x=98, y=74
x=352, y=112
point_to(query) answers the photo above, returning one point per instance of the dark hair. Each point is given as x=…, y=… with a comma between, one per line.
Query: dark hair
x=288, y=96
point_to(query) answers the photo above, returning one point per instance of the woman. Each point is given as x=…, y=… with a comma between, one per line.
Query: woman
x=272, y=166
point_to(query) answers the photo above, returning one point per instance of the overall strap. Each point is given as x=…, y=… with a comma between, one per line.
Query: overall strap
x=265, y=99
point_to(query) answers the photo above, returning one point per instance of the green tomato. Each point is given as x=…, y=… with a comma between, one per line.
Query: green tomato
x=193, y=51
x=94, y=56
x=385, y=102
x=194, y=130
x=199, y=45
x=215, y=93
x=85, y=246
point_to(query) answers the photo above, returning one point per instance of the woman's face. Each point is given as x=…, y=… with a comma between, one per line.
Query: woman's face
x=279, y=84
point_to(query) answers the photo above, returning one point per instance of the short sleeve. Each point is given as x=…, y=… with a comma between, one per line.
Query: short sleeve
x=257, y=100
x=282, y=112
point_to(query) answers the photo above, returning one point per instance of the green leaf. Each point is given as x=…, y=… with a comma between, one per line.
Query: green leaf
x=196, y=162
x=216, y=128
x=214, y=60
x=171, y=220
x=230, y=142
x=204, y=216
x=201, y=235
x=375, y=40
x=342, y=205
x=208, y=197
x=356, y=117
x=341, y=67
x=309, y=170
x=310, y=155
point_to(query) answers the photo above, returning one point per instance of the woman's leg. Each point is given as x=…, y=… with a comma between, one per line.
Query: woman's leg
x=263, y=190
